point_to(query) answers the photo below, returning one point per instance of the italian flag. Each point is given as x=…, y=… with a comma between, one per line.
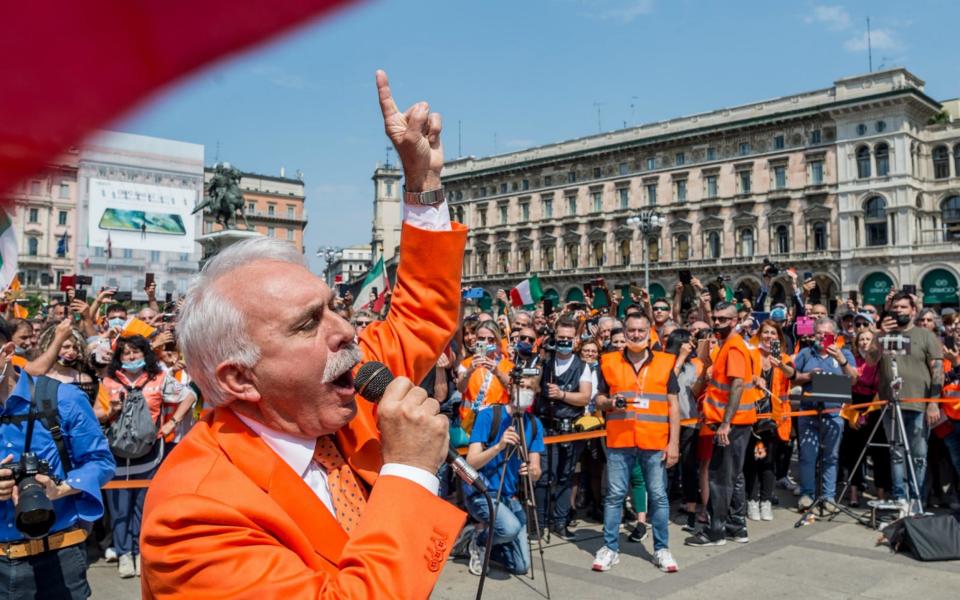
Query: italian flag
x=376, y=278
x=527, y=293
x=9, y=254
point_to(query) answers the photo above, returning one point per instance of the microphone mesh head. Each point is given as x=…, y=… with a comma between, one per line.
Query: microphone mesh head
x=372, y=380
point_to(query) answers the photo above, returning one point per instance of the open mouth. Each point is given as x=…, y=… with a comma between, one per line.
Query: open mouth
x=345, y=381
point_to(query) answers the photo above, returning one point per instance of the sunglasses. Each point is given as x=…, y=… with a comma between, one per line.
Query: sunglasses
x=362, y=323
x=526, y=338
x=723, y=319
x=861, y=324
x=661, y=308
x=486, y=339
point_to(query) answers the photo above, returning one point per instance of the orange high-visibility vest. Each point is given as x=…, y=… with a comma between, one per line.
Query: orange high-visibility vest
x=645, y=423
x=494, y=394
x=718, y=389
x=780, y=403
x=952, y=409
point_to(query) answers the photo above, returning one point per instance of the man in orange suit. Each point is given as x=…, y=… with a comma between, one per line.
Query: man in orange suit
x=294, y=487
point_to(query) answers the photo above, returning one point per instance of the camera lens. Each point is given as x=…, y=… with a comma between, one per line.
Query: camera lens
x=34, y=515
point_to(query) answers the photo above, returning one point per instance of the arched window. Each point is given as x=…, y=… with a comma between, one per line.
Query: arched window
x=950, y=211
x=597, y=254
x=547, y=257
x=783, y=239
x=875, y=219
x=683, y=247
x=882, y=153
x=503, y=262
x=624, y=252
x=573, y=256
x=525, y=263
x=33, y=245
x=746, y=241
x=820, y=236
x=713, y=244
x=956, y=160
x=941, y=162
x=863, y=162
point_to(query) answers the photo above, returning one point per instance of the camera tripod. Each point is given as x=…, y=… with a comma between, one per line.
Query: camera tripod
x=897, y=443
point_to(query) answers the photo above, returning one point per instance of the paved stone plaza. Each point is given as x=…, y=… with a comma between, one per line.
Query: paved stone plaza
x=824, y=560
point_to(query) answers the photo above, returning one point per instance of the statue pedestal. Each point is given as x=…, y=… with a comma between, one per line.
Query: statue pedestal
x=213, y=243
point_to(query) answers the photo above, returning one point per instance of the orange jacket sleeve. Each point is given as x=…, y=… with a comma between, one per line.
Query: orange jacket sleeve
x=425, y=309
x=210, y=548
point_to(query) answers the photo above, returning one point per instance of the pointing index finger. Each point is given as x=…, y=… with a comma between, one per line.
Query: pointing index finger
x=387, y=106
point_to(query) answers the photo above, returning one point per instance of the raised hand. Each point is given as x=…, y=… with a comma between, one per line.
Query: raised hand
x=416, y=136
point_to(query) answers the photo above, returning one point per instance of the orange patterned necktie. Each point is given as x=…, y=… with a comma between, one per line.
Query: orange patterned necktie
x=348, y=496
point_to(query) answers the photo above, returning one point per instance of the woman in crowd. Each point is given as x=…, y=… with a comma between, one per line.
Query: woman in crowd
x=135, y=375
x=776, y=373
x=857, y=430
x=72, y=365
x=484, y=377
x=618, y=340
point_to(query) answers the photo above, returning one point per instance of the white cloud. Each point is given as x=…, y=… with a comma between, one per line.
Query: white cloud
x=834, y=17
x=624, y=11
x=880, y=39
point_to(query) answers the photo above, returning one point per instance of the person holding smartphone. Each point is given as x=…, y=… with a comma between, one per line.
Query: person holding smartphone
x=823, y=356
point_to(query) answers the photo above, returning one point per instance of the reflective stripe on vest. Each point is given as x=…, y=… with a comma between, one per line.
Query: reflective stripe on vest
x=718, y=390
x=635, y=416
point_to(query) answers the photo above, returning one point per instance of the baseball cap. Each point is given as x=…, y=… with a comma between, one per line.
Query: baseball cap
x=864, y=316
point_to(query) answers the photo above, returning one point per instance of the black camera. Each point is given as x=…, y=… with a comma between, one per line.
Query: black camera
x=34, y=515
x=84, y=280
x=770, y=268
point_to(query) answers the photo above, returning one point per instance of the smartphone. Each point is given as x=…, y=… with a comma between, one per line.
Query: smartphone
x=829, y=340
x=636, y=290
x=599, y=282
x=950, y=342
x=81, y=294
x=588, y=289
x=547, y=307
x=775, y=348
x=854, y=296
x=68, y=281
x=909, y=288
x=376, y=292
x=123, y=296
x=168, y=297
x=685, y=276
x=804, y=325
x=148, y=280
x=600, y=299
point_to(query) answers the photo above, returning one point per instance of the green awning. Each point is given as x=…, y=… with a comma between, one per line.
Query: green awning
x=657, y=291
x=552, y=294
x=875, y=289
x=939, y=287
x=575, y=295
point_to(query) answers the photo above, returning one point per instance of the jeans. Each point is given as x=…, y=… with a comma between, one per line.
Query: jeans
x=915, y=422
x=808, y=435
x=126, y=509
x=620, y=462
x=510, y=545
x=559, y=465
x=55, y=574
x=727, y=505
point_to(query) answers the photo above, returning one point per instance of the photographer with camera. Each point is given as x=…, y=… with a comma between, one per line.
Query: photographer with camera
x=56, y=460
x=566, y=388
x=638, y=388
x=495, y=451
x=918, y=356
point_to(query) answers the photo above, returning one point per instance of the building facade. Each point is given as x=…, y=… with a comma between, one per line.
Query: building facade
x=275, y=206
x=45, y=220
x=775, y=179
x=164, y=175
x=350, y=266
x=387, y=217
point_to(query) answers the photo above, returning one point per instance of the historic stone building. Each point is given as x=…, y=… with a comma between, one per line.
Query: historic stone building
x=849, y=182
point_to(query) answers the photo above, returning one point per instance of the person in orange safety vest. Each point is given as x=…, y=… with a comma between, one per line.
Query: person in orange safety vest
x=638, y=389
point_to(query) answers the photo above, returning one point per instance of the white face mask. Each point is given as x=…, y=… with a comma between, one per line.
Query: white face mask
x=525, y=398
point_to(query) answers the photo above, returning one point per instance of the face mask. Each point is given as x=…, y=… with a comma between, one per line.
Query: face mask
x=636, y=346
x=20, y=351
x=65, y=362
x=903, y=320
x=778, y=314
x=525, y=348
x=134, y=366
x=116, y=322
x=564, y=346
x=525, y=398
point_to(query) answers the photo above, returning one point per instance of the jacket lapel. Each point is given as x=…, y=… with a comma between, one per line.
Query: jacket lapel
x=268, y=471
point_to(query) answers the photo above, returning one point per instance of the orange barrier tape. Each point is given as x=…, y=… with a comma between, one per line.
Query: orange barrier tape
x=598, y=433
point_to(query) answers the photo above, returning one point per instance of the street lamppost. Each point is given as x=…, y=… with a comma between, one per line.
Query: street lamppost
x=648, y=222
x=329, y=254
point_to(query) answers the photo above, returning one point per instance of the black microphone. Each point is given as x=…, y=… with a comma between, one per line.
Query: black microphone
x=371, y=382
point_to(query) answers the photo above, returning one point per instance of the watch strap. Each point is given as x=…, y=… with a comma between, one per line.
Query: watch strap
x=429, y=198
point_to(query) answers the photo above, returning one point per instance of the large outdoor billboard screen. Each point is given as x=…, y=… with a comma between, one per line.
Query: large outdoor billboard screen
x=140, y=216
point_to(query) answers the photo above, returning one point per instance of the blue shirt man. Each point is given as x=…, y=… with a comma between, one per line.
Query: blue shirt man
x=488, y=454
x=76, y=500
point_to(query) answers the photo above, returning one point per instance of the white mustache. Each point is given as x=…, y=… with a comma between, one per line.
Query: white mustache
x=341, y=362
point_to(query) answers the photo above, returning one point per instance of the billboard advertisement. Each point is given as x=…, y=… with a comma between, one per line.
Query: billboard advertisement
x=141, y=216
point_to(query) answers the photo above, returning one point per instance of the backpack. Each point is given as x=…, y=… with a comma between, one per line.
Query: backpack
x=43, y=404
x=132, y=434
x=928, y=538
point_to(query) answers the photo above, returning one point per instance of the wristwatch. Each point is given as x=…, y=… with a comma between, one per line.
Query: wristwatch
x=430, y=198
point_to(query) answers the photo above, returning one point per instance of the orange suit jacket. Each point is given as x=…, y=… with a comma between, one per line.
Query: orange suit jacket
x=226, y=517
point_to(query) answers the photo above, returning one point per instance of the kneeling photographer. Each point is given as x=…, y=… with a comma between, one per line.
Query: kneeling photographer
x=913, y=354
x=55, y=463
x=565, y=392
x=495, y=450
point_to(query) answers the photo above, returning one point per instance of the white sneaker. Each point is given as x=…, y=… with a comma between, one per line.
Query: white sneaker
x=753, y=510
x=136, y=564
x=110, y=555
x=126, y=567
x=663, y=559
x=766, y=511
x=476, y=555
x=605, y=559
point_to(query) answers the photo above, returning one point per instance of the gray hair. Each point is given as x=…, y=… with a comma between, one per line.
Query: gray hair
x=604, y=320
x=210, y=329
x=826, y=321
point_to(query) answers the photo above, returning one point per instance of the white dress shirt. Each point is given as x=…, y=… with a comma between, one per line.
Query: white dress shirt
x=297, y=452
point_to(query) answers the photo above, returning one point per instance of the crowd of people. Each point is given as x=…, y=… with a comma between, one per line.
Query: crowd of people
x=693, y=396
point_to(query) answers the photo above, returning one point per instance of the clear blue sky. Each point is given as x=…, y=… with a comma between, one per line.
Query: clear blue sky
x=521, y=73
